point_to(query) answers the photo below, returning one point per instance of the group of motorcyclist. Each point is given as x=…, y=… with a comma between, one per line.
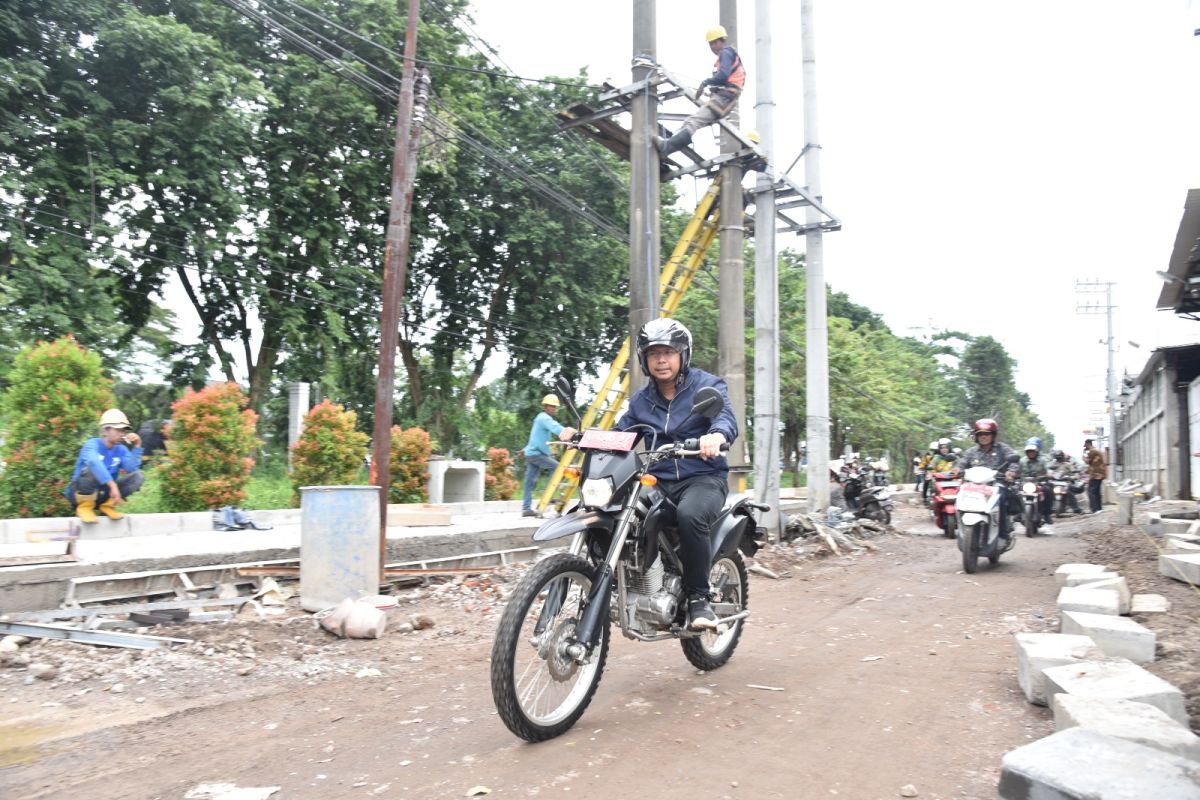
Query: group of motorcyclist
x=990, y=452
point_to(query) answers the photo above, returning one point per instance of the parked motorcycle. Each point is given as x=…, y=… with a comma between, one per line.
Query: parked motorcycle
x=875, y=502
x=944, y=494
x=978, y=514
x=552, y=641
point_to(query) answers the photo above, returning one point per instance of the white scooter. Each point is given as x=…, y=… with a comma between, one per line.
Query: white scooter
x=977, y=508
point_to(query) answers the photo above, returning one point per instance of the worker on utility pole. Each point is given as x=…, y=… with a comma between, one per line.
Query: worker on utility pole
x=725, y=86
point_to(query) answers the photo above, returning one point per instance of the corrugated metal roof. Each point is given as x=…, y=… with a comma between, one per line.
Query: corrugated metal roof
x=1183, y=295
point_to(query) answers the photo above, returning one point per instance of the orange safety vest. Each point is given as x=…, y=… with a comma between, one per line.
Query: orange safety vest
x=737, y=76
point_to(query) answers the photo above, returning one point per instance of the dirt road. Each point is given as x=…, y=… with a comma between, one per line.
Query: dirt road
x=893, y=668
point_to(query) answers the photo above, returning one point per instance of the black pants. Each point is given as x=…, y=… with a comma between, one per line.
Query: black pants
x=698, y=501
x=86, y=483
x=1094, y=494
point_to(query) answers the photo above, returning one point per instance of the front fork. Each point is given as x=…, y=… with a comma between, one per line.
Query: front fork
x=587, y=632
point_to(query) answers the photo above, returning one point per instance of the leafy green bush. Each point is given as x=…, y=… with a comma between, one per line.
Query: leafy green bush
x=329, y=451
x=411, y=449
x=499, y=482
x=207, y=464
x=57, y=391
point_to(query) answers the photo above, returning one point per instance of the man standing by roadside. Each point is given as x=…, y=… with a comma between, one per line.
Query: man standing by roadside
x=537, y=451
x=1097, y=469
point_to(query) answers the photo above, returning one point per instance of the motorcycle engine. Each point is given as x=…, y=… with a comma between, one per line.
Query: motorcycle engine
x=651, y=598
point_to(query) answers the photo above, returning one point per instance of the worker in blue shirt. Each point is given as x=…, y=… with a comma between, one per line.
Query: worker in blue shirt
x=537, y=451
x=97, y=482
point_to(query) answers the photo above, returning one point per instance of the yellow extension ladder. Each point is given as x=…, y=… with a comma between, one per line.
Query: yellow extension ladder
x=673, y=282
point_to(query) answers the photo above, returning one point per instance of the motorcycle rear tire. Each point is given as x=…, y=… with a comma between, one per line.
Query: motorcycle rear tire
x=729, y=578
x=947, y=524
x=510, y=691
x=970, y=551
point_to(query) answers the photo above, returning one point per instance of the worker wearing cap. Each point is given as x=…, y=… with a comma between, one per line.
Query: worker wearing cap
x=537, y=451
x=724, y=86
x=97, y=482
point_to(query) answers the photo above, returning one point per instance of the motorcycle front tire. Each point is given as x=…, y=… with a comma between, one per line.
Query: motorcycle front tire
x=970, y=550
x=565, y=688
x=1030, y=521
x=947, y=523
x=710, y=650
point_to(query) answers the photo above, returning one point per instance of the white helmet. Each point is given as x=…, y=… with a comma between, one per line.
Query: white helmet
x=114, y=418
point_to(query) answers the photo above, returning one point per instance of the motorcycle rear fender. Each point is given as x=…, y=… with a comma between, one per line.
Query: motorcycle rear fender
x=571, y=524
x=730, y=533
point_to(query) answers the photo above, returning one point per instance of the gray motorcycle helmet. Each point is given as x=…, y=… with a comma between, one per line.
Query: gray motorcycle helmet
x=668, y=332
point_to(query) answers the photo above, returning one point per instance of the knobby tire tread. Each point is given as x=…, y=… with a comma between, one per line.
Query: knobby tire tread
x=694, y=650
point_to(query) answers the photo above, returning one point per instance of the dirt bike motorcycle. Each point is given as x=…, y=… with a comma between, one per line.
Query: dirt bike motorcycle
x=943, y=497
x=978, y=511
x=622, y=565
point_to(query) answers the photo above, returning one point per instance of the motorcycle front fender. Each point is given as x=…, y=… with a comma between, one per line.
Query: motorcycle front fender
x=571, y=524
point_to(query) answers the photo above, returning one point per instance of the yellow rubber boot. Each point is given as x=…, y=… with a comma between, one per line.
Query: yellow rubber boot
x=109, y=509
x=85, y=507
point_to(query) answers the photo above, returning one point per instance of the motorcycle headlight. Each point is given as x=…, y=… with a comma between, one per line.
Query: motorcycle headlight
x=1029, y=488
x=597, y=492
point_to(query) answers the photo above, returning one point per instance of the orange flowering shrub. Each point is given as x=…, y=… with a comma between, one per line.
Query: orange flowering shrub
x=329, y=451
x=57, y=391
x=411, y=449
x=208, y=463
x=499, y=482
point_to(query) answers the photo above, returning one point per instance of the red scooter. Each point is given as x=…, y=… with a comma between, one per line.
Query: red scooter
x=943, y=496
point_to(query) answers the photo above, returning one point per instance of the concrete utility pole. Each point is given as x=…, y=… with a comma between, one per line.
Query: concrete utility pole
x=731, y=330
x=643, y=184
x=766, y=285
x=1110, y=378
x=395, y=269
x=817, y=331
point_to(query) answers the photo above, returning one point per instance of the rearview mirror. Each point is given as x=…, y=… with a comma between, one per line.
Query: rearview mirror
x=708, y=402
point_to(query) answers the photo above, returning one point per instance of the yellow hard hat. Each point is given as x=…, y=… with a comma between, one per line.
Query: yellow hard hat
x=715, y=33
x=114, y=418
x=550, y=400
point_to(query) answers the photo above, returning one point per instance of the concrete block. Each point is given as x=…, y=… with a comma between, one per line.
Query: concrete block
x=417, y=515
x=1117, y=637
x=1173, y=544
x=1080, y=578
x=1117, y=679
x=1125, y=719
x=1184, y=568
x=1066, y=570
x=1149, y=604
x=1118, y=585
x=1037, y=651
x=1092, y=601
x=1079, y=764
x=156, y=524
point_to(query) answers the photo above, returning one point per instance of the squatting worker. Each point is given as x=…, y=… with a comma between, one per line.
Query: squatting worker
x=537, y=451
x=97, y=482
x=697, y=486
x=725, y=86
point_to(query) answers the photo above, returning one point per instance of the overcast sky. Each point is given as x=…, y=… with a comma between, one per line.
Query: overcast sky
x=983, y=157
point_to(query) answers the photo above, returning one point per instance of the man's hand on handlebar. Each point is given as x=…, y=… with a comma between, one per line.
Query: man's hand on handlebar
x=710, y=445
x=567, y=434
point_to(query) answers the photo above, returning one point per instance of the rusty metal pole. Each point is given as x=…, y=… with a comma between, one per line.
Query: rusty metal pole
x=395, y=268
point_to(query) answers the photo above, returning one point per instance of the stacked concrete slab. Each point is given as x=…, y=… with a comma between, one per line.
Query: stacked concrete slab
x=1121, y=731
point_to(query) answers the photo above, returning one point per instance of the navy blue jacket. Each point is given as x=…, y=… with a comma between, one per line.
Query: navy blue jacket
x=649, y=407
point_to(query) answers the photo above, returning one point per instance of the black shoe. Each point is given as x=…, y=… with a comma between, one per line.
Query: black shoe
x=700, y=615
x=527, y=512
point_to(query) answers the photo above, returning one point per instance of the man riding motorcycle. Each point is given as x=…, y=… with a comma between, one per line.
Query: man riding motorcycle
x=1033, y=467
x=1063, y=467
x=988, y=452
x=698, y=487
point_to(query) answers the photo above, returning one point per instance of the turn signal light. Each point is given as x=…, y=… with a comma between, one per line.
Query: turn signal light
x=648, y=480
x=573, y=473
